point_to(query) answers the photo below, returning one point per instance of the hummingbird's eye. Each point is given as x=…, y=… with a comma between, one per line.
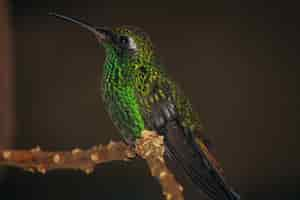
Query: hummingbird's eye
x=127, y=42
x=124, y=40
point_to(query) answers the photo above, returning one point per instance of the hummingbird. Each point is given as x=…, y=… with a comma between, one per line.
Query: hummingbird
x=139, y=94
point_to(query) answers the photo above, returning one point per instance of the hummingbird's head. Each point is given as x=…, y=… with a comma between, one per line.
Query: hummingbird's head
x=130, y=41
x=124, y=42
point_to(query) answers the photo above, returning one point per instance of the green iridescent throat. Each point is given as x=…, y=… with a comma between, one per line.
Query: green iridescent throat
x=119, y=94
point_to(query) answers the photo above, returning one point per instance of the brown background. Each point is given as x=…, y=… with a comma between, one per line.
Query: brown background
x=236, y=61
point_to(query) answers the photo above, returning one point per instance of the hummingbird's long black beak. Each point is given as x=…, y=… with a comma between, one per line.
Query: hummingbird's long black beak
x=101, y=33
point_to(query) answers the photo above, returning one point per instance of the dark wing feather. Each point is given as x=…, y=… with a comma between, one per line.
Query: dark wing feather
x=160, y=112
x=182, y=148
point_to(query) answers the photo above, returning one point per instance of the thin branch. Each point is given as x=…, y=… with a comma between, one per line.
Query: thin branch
x=43, y=161
x=150, y=147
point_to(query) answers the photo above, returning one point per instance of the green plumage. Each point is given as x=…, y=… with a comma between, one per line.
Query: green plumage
x=133, y=81
x=137, y=91
x=139, y=95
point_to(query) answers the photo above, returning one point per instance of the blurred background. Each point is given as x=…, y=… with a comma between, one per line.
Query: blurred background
x=236, y=61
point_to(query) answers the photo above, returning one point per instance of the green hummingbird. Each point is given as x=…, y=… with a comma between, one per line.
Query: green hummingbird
x=139, y=95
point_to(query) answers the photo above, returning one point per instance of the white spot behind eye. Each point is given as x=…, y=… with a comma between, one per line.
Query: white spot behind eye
x=132, y=44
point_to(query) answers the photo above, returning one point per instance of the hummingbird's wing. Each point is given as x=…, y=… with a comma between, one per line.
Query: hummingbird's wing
x=186, y=147
x=199, y=165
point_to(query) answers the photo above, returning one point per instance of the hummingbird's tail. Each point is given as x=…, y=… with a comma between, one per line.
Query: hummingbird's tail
x=183, y=150
x=187, y=148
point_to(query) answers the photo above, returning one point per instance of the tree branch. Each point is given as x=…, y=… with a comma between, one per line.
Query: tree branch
x=150, y=147
x=43, y=161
